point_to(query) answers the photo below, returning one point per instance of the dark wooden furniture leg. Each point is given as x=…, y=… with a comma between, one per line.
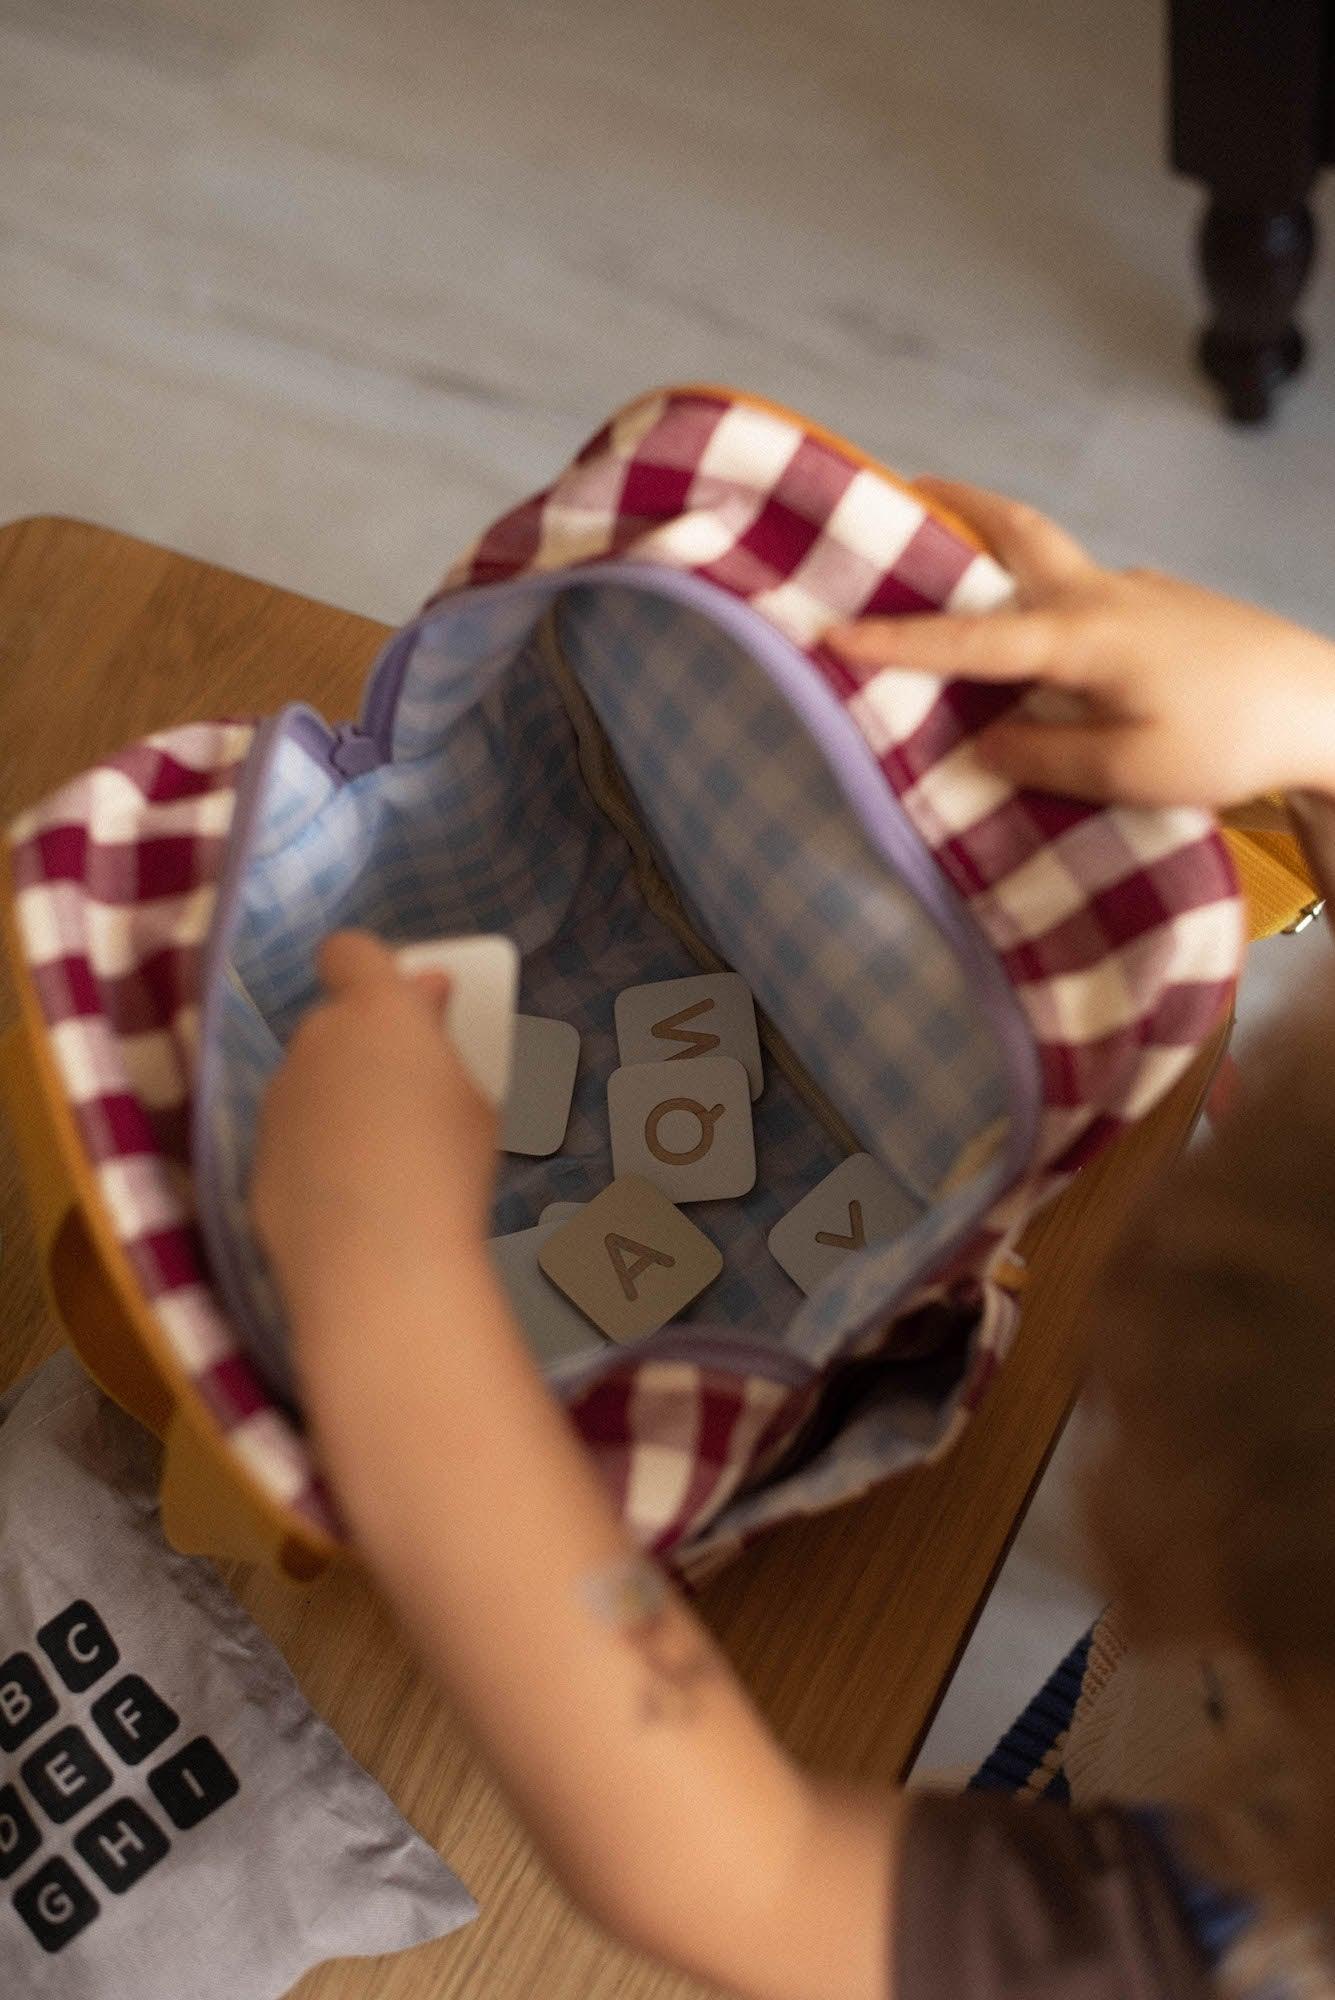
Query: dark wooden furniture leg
x=1250, y=86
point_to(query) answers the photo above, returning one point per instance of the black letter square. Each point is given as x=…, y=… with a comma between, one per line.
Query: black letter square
x=79, y=1646
x=134, y=1720
x=55, y=1905
x=65, y=1775
x=20, y=1836
x=122, y=1844
x=26, y=1702
x=193, y=1783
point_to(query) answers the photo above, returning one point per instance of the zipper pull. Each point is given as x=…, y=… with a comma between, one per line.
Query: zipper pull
x=352, y=752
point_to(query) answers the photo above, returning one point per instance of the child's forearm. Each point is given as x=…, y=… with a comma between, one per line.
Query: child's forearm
x=630, y=1749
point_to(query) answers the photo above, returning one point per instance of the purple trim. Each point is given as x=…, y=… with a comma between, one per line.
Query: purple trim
x=300, y=724
x=313, y=733
x=352, y=753
x=384, y=685
x=709, y=1345
x=343, y=749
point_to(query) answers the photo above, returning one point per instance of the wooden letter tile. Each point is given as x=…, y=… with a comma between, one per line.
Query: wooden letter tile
x=542, y=1083
x=672, y=1020
x=480, y=1012
x=685, y=1126
x=547, y=1320
x=852, y=1208
x=630, y=1260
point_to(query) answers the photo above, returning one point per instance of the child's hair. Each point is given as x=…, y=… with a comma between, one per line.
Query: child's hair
x=1212, y=1498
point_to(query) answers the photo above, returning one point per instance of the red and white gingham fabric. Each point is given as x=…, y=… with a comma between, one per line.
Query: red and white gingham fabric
x=115, y=877
x=1121, y=931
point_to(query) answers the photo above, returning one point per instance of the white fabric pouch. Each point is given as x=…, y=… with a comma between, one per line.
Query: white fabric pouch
x=174, y=1818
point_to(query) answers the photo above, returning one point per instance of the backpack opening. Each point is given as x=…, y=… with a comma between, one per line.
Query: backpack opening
x=481, y=817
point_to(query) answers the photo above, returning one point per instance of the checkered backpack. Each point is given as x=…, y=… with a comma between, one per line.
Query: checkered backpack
x=616, y=736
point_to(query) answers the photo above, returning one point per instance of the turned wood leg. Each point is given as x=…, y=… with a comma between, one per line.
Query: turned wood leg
x=1250, y=120
x=1255, y=263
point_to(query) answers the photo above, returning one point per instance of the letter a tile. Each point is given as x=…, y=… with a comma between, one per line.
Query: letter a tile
x=547, y=1320
x=629, y=1260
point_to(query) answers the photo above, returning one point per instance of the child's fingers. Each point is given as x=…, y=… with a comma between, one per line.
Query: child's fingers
x=971, y=646
x=1039, y=554
x=1091, y=760
x=433, y=986
x=357, y=962
x=352, y=959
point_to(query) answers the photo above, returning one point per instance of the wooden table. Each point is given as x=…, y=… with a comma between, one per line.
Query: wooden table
x=846, y=1628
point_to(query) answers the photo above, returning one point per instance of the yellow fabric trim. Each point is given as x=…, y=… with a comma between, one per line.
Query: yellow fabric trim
x=135, y=1364
x=1275, y=880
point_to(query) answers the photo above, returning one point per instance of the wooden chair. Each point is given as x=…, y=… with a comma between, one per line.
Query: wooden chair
x=1253, y=117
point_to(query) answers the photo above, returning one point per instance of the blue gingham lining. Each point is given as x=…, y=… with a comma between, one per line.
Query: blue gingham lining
x=767, y=857
x=482, y=822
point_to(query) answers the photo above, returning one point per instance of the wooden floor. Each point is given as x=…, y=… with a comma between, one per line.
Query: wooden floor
x=311, y=287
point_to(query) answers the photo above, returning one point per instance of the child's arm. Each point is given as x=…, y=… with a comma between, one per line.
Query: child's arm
x=659, y=1797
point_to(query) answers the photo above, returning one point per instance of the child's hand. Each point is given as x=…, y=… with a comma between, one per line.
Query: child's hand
x=1182, y=697
x=373, y=1140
